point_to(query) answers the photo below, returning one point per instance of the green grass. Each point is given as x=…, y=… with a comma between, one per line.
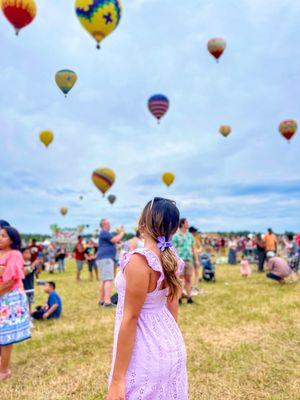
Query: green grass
x=242, y=338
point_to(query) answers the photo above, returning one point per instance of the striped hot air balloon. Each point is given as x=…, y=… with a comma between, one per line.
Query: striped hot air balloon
x=103, y=179
x=158, y=106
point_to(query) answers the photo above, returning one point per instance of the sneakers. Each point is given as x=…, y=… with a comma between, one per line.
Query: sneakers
x=190, y=301
x=108, y=305
x=100, y=303
x=180, y=302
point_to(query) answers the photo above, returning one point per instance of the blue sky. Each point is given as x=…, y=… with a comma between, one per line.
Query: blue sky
x=251, y=180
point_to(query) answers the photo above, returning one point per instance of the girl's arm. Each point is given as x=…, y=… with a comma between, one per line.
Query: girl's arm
x=6, y=286
x=137, y=282
x=173, y=307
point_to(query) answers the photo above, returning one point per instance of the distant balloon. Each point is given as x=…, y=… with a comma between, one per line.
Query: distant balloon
x=112, y=198
x=103, y=179
x=64, y=211
x=99, y=17
x=19, y=13
x=80, y=197
x=65, y=80
x=225, y=130
x=158, y=105
x=46, y=137
x=288, y=128
x=168, y=178
x=216, y=47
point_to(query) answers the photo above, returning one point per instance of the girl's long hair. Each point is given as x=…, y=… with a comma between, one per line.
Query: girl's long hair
x=160, y=217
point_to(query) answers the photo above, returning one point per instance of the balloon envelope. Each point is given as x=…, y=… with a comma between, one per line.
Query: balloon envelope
x=46, y=137
x=112, y=198
x=158, y=105
x=288, y=128
x=98, y=17
x=216, y=47
x=65, y=80
x=225, y=130
x=19, y=13
x=103, y=179
x=64, y=211
x=168, y=178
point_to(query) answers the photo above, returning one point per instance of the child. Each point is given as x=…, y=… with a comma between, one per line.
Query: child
x=208, y=268
x=245, y=268
x=30, y=269
x=53, y=308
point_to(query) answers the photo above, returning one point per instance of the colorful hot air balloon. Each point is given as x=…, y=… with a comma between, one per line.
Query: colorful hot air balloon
x=19, y=13
x=64, y=211
x=158, y=105
x=225, y=130
x=288, y=128
x=46, y=137
x=103, y=179
x=65, y=80
x=168, y=178
x=112, y=198
x=216, y=47
x=99, y=17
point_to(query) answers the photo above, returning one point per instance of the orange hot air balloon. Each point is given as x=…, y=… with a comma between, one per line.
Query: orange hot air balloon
x=64, y=211
x=288, y=128
x=19, y=13
x=225, y=130
x=168, y=178
x=216, y=47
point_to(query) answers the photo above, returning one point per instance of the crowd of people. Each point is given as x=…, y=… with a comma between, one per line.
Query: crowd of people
x=21, y=266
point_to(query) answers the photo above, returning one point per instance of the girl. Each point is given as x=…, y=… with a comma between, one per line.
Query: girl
x=14, y=316
x=245, y=267
x=149, y=357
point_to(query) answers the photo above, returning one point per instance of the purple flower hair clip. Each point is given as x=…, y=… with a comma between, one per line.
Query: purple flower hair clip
x=163, y=244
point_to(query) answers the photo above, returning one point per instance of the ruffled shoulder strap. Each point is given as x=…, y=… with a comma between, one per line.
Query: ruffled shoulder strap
x=152, y=260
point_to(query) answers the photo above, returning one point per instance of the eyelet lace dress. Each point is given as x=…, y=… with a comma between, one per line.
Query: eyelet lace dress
x=157, y=369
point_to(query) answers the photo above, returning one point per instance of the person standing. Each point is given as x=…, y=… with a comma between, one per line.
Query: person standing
x=270, y=241
x=261, y=252
x=197, y=245
x=90, y=256
x=79, y=256
x=233, y=247
x=149, y=355
x=15, y=319
x=60, y=257
x=184, y=243
x=106, y=258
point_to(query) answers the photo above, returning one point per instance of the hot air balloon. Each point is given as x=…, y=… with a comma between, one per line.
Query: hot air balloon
x=103, y=179
x=158, y=105
x=168, y=178
x=65, y=80
x=46, y=137
x=288, y=128
x=19, y=13
x=112, y=198
x=98, y=17
x=80, y=197
x=225, y=130
x=216, y=47
x=64, y=211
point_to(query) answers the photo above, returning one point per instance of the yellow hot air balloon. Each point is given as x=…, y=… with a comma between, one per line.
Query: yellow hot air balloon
x=103, y=179
x=46, y=137
x=98, y=17
x=64, y=211
x=65, y=80
x=168, y=178
x=225, y=130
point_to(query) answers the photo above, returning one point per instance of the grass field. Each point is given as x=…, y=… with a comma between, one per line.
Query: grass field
x=242, y=337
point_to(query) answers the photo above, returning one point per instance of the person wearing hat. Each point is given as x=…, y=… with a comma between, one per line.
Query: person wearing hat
x=278, y=267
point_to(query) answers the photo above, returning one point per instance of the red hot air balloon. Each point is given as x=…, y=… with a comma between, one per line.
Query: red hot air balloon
x=19, y=13
x=288, y=128
x=216, y=47
x=158, y=105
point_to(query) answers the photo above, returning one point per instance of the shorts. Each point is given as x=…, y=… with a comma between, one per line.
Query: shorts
x=30, y=296
x=92, y=265
x=188, y=268
x=106, y=269
x=79, y=265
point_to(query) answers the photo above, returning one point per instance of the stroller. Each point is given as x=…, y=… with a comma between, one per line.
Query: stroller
x=208, y=268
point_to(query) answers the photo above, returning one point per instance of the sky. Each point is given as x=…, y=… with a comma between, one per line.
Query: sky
x=250, y=180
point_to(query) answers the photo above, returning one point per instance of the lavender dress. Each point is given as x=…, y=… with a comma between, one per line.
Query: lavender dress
x=157, y=370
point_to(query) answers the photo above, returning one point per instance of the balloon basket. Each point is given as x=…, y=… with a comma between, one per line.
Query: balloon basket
x=98, y=47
